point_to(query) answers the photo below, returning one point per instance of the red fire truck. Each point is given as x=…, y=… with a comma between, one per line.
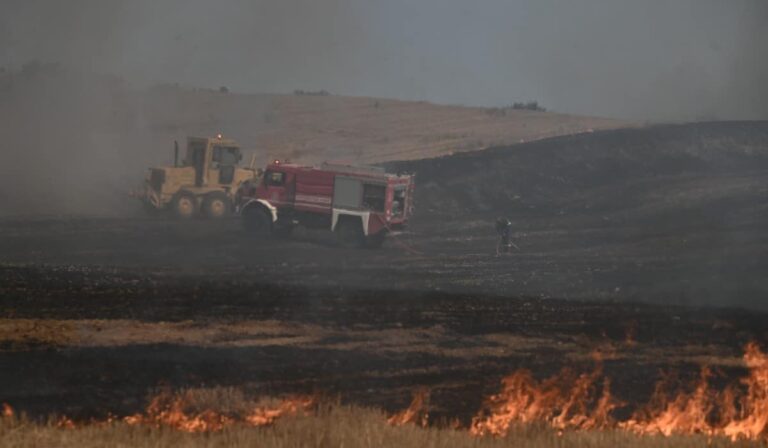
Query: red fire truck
x=360, y=204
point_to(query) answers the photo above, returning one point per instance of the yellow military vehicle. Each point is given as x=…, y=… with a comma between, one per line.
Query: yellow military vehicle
x=204, y=183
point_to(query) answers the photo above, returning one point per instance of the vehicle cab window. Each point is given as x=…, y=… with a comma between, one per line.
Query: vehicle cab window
x=374, y=197
x=226, y=156
x=398, y=202
x=274, y=178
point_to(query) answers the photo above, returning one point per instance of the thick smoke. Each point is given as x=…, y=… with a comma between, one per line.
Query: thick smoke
x=78, y=132
x=650, y=60
x=749, y=73
x=81, y=116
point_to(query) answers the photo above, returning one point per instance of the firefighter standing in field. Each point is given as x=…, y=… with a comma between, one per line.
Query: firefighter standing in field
x=503, y=228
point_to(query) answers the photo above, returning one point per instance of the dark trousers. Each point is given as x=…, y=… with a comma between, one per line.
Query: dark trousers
x=504, y=243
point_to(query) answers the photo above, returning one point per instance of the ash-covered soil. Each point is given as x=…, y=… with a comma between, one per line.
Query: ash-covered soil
x=646, y=244
x=85, y=342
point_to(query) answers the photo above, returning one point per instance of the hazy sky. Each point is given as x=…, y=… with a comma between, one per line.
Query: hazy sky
x=643, y=59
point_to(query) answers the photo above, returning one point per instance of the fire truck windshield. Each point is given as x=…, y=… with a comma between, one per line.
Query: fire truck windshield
x=398, y=202
x=274, y=178
x=374, y=197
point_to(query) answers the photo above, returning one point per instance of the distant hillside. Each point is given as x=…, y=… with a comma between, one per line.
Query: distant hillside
x=621, y=174
x=315, y=128
x=77, y=143
x=673, y=213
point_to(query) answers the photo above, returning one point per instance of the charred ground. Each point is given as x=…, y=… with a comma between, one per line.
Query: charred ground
x=97, y=311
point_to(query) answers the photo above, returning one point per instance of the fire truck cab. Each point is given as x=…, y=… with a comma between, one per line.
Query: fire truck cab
x=360, y=204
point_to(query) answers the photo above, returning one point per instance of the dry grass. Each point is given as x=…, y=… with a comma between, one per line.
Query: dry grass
x=332, y=426
x=18, y=334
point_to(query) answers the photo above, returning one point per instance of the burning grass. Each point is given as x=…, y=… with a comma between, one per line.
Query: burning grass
x=331, y=425
x=571, y=401
x=567, y=409
x=417, y=413
x=565, y=401
x=203, y=411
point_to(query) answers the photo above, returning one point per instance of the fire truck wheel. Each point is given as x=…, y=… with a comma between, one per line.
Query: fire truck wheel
x=349, y=233
x=257, y=221
x=216, y=205
x=184, y=205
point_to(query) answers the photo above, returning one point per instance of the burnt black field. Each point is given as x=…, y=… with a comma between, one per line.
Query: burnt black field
x=657, y=236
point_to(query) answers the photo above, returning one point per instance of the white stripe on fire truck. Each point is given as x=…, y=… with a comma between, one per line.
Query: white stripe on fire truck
x=308, y=205
x=326, y=200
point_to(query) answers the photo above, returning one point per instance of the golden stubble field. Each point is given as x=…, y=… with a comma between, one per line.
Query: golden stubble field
x=332, y=426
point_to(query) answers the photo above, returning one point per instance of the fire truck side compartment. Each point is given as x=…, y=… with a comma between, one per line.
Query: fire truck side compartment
x=347, y=193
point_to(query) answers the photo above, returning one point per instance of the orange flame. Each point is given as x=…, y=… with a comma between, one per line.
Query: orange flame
x=725, y=413
x=753, y=421
x=65, y=423
x=686, y=413
x=630, y=334
x=564, y=401
x=170, y=410
x=416, y=412
x=569, y=401
x=262, y=416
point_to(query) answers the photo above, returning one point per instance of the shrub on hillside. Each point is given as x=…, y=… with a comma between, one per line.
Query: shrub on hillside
x=311, y=92
x=502, y=111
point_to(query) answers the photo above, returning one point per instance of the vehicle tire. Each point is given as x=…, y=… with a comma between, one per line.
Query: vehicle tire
x=375, y=241
x=216, y=205
x=184, y=205
x=257, y=221
x=349, y=233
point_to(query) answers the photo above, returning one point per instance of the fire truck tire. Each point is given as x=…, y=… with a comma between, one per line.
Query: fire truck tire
x=216, y=205
x=257, y=221
x=184, y=205
x=349, y=233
